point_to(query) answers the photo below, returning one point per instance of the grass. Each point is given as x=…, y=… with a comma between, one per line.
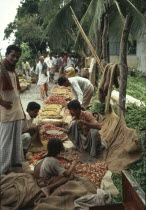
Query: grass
x=135, y=118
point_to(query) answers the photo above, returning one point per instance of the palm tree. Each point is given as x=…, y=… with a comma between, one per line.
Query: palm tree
x=90, y=14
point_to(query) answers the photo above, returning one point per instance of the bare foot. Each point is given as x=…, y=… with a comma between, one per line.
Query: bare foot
x=46, y=191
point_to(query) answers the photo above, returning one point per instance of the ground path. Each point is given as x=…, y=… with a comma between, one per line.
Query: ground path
x=33, y=94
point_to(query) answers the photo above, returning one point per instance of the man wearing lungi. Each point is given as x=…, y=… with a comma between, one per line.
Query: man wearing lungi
x=11, y=112
x=82, y=88
x=83, y=131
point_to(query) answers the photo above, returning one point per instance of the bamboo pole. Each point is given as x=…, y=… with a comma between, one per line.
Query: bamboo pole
x=87, y=40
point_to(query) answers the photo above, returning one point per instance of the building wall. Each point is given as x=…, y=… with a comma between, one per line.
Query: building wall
x=137, y=61
x=141, y=54
x=132, y=60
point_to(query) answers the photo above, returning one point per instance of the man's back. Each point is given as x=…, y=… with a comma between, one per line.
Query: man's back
x=83, y=83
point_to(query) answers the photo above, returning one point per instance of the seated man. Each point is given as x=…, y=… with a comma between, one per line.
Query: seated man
x=30, y=131
x=83, y=131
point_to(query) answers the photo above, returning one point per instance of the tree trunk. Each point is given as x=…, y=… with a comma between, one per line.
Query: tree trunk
x=98, y=51
x=123, y=64
x=105, y=40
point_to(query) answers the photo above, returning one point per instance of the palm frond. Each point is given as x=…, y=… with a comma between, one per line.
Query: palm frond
x=139, y=21
x=116, y=22
x=92, y=19
x=62, y=21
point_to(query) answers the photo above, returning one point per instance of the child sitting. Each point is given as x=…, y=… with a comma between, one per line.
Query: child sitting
x=49, y=167
x=30, y=131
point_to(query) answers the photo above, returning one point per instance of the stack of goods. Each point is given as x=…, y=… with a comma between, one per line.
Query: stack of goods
x=24, y=83
x=50, y=131
x=94, y=172
x=53, y=110
x=56, y=99
x=63, y=91
x=51, y=113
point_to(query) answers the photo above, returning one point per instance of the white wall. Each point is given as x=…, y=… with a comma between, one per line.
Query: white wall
x=137, y=61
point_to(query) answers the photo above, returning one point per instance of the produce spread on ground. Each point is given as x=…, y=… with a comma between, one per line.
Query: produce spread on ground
x=52, y=116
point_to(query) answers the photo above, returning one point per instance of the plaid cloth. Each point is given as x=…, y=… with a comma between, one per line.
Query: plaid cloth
x=11, y=152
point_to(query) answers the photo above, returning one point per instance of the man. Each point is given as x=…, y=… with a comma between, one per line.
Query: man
x=82, y=88
x=41, y=71
x=30, y=131
x=51, y=63
x=11, y=112
x=70, y=61
x=46, y=60
x=83, y=131
x=26, y=68
x=60, y=64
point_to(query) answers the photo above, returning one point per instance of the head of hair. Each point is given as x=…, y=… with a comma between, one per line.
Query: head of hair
x=44, y=52
x=62, y=80
x=32, y=106
x=54, y=147
x=74, y=104
x=13, y=47
x=41, y=57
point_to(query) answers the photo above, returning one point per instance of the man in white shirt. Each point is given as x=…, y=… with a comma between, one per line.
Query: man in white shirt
x=82, y=88
x=51, y=63
x=30, y=131
x=70, y=61
x=26, y=68
x=41, y=71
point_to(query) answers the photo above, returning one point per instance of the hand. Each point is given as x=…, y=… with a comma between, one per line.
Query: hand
x=6, y=104
x=75, y=162
x=81, y=122
x=35, y=127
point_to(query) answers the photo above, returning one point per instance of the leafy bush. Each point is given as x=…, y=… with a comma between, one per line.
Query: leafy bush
x=135, y=118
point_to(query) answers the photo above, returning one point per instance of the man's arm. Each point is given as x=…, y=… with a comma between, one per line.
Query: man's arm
x=90, y=125
x=6, y=104
x=32, y=128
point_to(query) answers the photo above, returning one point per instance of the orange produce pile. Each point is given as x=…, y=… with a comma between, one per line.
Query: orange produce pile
x=94, y=172
x=49, y=126
x=56, y=99
x=45, y=136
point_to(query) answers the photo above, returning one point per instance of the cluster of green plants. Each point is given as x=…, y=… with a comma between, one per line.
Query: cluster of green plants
x=135, y=117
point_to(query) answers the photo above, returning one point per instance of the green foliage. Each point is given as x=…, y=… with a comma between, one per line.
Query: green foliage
x=28, y=7
x=136, y=85
x=27, y=27
x=53, y=20
x=135, y=117
x=26, y=53
x=29, y=31
x=60, y=22
x=117, y=179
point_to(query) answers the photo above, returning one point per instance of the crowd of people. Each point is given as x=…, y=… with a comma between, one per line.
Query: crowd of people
x=17, y=129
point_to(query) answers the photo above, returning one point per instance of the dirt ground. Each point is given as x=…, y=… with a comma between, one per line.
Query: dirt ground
x=33, y=94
